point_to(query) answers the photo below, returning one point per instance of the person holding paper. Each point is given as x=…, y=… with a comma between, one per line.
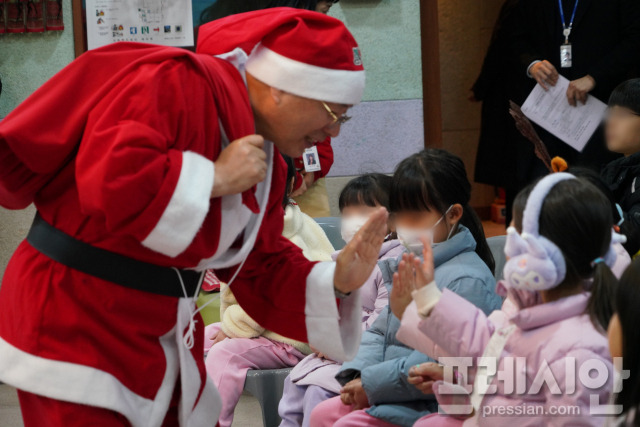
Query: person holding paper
x=595, y=44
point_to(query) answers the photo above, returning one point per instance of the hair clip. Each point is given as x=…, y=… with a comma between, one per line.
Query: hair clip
x=597, y=261
x=558, y=164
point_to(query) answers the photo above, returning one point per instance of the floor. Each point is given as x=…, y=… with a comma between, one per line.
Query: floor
x=247, y=413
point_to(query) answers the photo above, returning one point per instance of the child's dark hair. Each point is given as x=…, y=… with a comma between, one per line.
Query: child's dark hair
x=291, y=178
x=595, y=179
x=437, y=179
x=371, y=189
x=627, y=95
x=626, y=304
x=577, y=218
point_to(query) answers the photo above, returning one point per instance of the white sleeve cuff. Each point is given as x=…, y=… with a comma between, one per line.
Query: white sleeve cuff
x=187, y=208
x=331, y=330
x=426, y=298
x=529, y=68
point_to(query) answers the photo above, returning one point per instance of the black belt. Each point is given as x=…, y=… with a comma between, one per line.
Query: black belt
x=109, y=266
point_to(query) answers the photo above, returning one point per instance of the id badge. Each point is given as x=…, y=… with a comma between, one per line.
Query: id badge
x=566, y=56
x=311, y=159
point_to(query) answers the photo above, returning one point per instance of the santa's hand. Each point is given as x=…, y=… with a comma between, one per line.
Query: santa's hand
x=240, y=166
x=357, y=260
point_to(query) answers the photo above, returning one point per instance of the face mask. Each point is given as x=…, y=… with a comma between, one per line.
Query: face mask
x=350, y=226
x=410, y=237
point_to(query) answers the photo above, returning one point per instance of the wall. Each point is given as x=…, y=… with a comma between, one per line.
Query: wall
x=465, y=31
x=27, y=61
x=388, y=125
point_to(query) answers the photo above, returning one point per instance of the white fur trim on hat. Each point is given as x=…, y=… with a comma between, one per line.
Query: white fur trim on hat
x=308, y=81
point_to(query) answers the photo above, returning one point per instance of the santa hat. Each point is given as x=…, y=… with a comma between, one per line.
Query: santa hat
x=298, y=51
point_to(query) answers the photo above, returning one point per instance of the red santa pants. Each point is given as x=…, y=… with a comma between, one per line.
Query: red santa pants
x=40, y=411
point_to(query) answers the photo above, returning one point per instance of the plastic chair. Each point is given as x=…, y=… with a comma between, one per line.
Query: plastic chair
x=496, y=244
x=267, y=386
x=331, y=227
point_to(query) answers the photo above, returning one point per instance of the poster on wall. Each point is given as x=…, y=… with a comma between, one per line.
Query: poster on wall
x=164, y=22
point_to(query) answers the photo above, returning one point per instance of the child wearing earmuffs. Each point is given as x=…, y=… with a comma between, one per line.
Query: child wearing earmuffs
x=549, y=338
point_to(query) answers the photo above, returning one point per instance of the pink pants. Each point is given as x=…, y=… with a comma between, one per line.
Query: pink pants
x=437, y=420
x=228, y=362
x=333, y=412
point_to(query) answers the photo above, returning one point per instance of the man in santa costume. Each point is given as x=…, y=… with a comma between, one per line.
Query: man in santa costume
x=149, y=165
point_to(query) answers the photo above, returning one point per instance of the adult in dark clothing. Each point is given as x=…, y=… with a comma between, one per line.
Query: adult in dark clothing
x=605, y=41
x=493, y=87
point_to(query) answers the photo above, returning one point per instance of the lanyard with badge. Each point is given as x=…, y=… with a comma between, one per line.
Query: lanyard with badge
x=311, y=160
x=566, y=54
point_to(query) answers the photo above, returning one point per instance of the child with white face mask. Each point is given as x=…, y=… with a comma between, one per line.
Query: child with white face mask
x=313, y=379
x=429, y=198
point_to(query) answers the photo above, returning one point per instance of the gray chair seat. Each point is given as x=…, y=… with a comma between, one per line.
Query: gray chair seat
x=267, y=386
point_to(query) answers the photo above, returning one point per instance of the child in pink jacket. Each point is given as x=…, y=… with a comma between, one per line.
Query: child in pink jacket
x=548, y=341
x=313, y=379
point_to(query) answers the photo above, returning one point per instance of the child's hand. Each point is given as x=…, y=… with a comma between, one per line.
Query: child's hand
x=423, y=376
x=220, y=336
x=353, y=394
x=301, y=190
x=412, y=274
x=424, y=269
x=357, y=260
x=319, y=354
x=309, y=179
x=403, y=285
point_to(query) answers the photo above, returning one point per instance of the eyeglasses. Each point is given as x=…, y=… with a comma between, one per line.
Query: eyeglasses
x=336, y=120
x=619, y=114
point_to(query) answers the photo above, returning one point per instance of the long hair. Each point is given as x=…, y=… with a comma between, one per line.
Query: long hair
x=291, y=179
x=436, y=179
x=577, y=218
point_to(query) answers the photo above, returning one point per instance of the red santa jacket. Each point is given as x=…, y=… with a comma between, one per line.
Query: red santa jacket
x=117, y=150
